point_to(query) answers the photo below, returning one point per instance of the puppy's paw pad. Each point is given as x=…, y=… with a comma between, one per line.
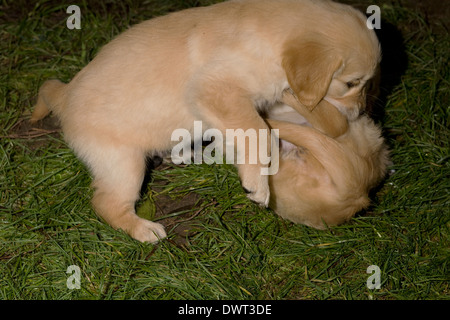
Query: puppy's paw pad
x=148, y=231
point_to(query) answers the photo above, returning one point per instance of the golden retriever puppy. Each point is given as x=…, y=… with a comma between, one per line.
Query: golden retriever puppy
x=220, y=65
x=323, y=181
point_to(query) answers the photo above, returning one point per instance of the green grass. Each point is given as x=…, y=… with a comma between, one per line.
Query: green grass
x=238, y=250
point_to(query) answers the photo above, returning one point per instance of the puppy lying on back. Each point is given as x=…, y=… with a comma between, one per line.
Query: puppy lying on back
x=323, y=181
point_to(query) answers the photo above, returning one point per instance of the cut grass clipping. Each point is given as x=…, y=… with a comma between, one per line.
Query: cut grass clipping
x=220, y=246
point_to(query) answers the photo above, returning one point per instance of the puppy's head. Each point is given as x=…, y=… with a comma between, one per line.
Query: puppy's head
x=323, y=180
x=333, y=62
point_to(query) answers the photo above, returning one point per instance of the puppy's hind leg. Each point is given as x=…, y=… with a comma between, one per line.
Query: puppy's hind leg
x=118, y=174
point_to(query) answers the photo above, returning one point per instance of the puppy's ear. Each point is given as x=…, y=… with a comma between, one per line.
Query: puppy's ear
x=302, y=137
x=309, y=66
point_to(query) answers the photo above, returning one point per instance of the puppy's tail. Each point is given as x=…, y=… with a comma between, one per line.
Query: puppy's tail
x=51, y=98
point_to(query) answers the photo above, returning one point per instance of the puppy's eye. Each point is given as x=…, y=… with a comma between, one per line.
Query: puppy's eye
x=352, y=83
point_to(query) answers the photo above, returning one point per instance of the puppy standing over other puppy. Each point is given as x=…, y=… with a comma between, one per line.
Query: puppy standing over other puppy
x=218, y=64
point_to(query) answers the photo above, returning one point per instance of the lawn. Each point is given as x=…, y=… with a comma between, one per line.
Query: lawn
x=220, y=245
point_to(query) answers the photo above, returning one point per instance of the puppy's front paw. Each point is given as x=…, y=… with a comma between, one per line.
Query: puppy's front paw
x=261, y=197
x=258, y=189
x=148, y=231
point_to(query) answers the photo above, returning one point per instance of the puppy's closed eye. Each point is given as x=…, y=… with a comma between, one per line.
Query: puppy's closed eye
x=353, y=83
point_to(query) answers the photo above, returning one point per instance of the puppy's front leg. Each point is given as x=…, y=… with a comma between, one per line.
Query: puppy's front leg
x=228, y=108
